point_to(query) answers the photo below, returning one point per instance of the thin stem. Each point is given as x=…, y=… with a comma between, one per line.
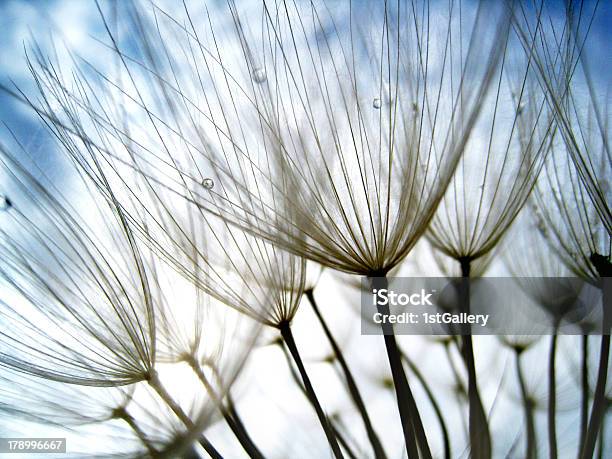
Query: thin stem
x=231, y=408
x=234, y=422
x=379, y=452
x=434, y=404
x=414, y=432
x=480, y=437
x=604, y=268
x=460, y=391
x=209, y=448
x=341, y=438
x=343, y=442
x=584, y=406
x=155, y=383
x=602, y=437
x=530, y=452
x=122, y=414
x=552, y=398
x=599, y=399
x=287, y=335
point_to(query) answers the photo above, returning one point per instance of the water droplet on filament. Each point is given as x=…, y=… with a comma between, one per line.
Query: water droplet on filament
x=208, y=183
x=5, y=203
x=376, y=103
x=259, y=75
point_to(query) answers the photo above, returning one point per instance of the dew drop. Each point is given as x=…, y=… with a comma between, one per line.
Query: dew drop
x=259, y=75
x=5, y=203
x=208, y=183
x=376, y=103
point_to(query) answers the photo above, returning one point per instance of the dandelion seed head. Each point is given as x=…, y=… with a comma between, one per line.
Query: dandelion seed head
x=104, y=334
x=254, y=149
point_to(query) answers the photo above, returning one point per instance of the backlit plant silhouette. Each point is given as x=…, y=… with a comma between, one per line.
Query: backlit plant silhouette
x=228, y=149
